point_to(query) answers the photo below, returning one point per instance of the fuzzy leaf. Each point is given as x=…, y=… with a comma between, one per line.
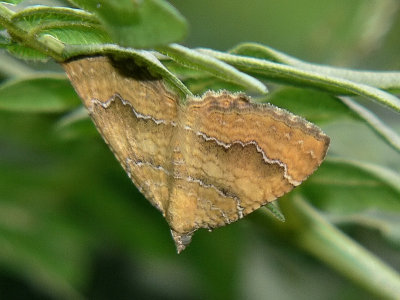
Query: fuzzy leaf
x=34, y=16
x=70, y=26
x=196, y=60
x=296, y=76
x=382, y=80
x=198, y=81
x=74, y=34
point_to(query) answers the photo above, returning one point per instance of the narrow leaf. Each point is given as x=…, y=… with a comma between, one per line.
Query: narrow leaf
x=387, y=223
x=293, y=75
x=357, y=192
x=382, y=80
x=199, y=61
x=197, y=81
x=274, y=209
x=349, y=186
x=385, y=132
x=388, y=176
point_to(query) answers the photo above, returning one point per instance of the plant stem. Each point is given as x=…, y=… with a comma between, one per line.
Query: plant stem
x=317, y=236
x=47, y=44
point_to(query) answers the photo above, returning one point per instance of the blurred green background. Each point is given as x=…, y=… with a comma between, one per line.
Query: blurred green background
x=72, y=225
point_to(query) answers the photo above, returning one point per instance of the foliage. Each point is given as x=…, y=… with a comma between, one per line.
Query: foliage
x=60, y=208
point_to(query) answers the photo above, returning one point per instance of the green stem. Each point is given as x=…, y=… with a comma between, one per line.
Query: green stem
x=47, y=44
x=320, y=238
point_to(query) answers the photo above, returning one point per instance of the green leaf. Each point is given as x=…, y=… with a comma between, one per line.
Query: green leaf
x=34, y=16
x=74, y=34
x=49, y=46
x=70, y=26
x=299, y=77
x=382, y=80
x=343, y=187
x=274, y=209
x=359, y=193
x=41, y=93
x=27, y=53
x=138, y=24
x=198, y=81
x=196, y=60
x=391, y=178
x=387, y=223
x=385, y=132
x=315, y=106
x=182, y=71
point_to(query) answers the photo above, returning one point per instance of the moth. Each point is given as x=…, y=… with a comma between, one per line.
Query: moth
x=203, y=164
